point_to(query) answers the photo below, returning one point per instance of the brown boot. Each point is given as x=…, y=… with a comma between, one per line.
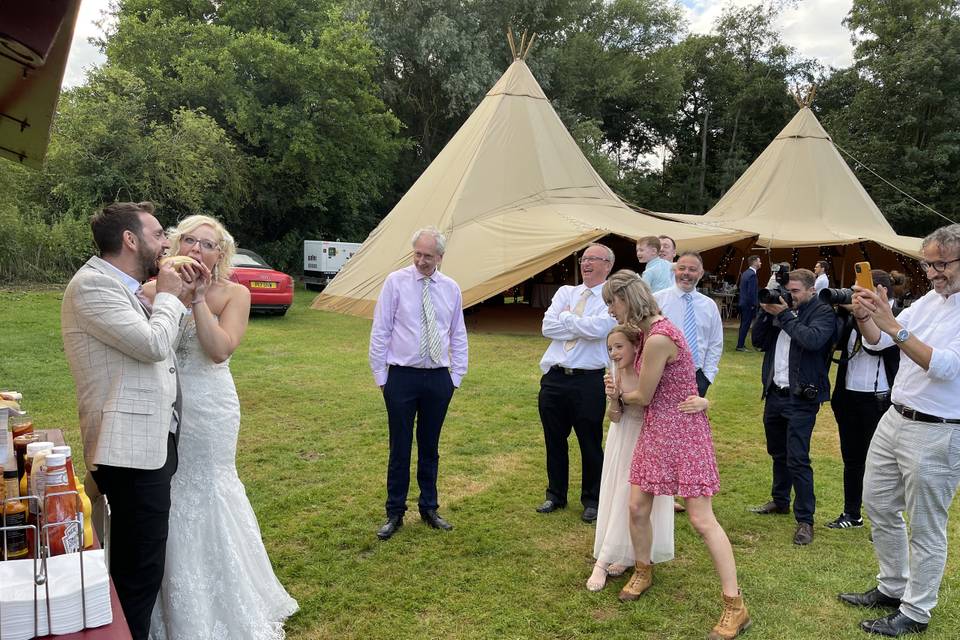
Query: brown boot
x=639, y=582
x=733, y=620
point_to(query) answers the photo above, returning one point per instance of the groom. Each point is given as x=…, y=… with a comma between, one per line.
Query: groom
x=121, y=355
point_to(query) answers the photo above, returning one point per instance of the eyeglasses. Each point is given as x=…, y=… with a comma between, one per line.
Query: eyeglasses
x=939, y=266
x=593, y=259
x=205, y=245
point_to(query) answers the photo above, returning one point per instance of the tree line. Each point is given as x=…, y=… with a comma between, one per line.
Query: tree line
x=306, y=119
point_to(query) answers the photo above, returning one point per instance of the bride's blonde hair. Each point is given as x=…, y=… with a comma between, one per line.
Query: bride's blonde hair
x=221, y=271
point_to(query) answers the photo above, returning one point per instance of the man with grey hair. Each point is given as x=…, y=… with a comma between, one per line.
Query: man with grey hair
x=418, y=354
x=913, y=465
x=571, y=389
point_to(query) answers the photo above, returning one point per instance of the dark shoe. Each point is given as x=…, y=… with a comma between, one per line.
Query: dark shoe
x=873, y=599
x=770, y=507
x=742, y=349
x=390, y=527
x=845, y=521
x=589, y=514
x=893, y=625
x=549, y=506
x=804, y=533
x=432, y=518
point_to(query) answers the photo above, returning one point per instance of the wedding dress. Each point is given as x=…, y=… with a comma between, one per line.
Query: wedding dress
x=218, y=582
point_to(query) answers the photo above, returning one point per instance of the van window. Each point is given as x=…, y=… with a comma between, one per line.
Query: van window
x=332, y=252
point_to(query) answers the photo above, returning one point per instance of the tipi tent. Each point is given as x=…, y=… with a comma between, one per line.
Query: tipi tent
x=800, y=193
x=513, y=194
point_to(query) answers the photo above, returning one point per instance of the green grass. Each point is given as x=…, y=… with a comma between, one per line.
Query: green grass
x=313, y=450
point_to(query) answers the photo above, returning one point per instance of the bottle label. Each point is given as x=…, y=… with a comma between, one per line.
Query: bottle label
x=71, y=538
x=16, y=540
x=56, y=477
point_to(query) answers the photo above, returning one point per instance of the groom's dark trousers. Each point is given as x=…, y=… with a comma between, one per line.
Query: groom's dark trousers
x=139, y=515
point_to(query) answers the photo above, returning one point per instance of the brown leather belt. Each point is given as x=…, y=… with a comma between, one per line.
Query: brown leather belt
x=567, y=371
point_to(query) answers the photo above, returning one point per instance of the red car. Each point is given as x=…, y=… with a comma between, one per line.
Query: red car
x=271, y=291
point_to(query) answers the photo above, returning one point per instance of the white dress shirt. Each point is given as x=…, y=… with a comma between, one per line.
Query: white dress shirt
x=590, y=330
x=781, y=361
x=865, y=371
x=935, y=321
x=822, y=282
x=709, y=325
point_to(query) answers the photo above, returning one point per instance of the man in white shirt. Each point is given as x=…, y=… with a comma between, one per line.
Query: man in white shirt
x=913, y=466
x=656, y=271
x=820, y=270
x=571, y=389
x=696, y=315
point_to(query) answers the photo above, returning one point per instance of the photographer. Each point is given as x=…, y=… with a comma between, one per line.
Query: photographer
x=865, y=374
x=796, y=332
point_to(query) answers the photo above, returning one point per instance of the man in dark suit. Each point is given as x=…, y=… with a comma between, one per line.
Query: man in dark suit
x=797, y=342
x=748, y=300
x=865, y=374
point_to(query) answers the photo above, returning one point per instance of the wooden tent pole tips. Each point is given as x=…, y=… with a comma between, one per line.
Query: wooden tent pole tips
x=513, y=46
x=523, y=55
x=523, y=40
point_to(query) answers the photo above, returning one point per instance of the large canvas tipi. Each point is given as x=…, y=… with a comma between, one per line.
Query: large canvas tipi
x=513, y=194
x=800, y=193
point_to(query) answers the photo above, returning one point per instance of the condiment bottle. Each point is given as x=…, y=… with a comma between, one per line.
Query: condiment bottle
x=32, y=485
x=60, y=511
x=20, y=450
x=15, y=515
x=68, y=455
x=32, y=450
x=87, y=517
x=21, y=424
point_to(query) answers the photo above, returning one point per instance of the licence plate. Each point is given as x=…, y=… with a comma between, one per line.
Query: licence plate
x=262, y=285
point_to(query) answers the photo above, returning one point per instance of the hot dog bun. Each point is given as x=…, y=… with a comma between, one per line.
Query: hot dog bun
x=176, y=261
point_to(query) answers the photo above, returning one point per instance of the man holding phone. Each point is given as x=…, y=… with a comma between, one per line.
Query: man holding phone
x=913, y=465
x=797, y=341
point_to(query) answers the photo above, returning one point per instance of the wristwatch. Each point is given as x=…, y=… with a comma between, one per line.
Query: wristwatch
x=901, y=336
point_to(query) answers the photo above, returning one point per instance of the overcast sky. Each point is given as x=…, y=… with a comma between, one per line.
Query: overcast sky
x=813, y=27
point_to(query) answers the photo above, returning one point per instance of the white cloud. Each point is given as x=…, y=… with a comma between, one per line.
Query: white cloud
x=83, y=55
x=813, y=27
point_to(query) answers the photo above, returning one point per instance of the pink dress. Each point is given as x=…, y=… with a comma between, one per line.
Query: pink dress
x=674, y=455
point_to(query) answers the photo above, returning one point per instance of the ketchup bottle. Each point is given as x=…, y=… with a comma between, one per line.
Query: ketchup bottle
x=65, y=537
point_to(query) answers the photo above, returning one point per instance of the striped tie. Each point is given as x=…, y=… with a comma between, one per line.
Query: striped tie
x=690, y=328
x=429, y=334
x=578, y=311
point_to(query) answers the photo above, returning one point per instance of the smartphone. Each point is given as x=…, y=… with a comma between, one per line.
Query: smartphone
x=864, y=277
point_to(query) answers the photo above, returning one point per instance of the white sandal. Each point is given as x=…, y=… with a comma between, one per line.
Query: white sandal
x=616, y=570
x=593, y=584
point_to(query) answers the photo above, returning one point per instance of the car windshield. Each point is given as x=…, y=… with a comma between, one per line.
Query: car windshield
x=250, y=260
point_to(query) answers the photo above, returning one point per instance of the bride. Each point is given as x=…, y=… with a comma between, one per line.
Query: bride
x=218, y=582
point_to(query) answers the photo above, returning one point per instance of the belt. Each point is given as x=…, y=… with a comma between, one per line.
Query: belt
x=913, y=414
x=574, y=372
x=783, y=392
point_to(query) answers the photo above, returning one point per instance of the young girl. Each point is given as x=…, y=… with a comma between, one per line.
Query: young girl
x=612, y=546
x=674, y=453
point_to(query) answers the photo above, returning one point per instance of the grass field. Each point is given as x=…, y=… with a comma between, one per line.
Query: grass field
x=313, y=451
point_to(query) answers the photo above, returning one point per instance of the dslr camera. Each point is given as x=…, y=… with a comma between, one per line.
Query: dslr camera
x=836, y=296
x=772, y=295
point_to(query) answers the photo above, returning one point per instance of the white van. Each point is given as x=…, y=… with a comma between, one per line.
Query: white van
x=322, y=259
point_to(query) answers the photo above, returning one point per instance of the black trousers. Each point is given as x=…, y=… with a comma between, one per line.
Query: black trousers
x=424, y=395
x=857, y=414
x=139, y=515
x=746, y=317
x=573, y=402
x=703, y=383
x=788, y=422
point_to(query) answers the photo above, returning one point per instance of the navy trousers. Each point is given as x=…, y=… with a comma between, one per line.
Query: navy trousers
x=788, y=422
x=857, y=415
x=746, y=318
x=420, y=395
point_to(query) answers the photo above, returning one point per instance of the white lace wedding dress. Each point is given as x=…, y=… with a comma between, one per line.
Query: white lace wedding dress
x=218, y=582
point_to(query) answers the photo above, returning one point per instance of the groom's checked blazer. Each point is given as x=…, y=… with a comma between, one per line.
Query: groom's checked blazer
x=123, y=363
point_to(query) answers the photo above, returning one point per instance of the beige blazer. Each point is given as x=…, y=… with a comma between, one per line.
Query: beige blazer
x=123, y=365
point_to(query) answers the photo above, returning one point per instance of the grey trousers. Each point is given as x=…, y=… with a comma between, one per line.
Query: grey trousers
x=912, y=468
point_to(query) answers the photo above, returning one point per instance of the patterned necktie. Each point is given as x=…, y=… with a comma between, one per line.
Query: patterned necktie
x=144, y=300
x=578, y=311
x=429, y=334
x=690, y=328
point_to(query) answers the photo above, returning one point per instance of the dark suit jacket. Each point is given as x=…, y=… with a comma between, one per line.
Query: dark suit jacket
x=748, y=289
x=812, y=329
x=890, y=355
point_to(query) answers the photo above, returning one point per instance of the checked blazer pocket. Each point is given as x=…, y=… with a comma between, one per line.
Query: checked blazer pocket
x=133, y=400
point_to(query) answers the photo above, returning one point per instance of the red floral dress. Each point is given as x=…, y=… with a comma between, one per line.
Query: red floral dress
x=674, y=455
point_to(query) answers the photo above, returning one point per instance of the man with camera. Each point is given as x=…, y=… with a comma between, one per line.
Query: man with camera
x=796, y=331
x=861, y=396
x=913, y=466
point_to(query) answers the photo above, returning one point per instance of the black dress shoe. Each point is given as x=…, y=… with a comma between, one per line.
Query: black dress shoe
x=873, y=599
x=432, y=518
x=893, y=625
x=390, y=527
x=589, y=514
x=804, y=533
x=770, y=507
x=549, y=506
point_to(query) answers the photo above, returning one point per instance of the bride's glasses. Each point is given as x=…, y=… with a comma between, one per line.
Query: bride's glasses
x=205, y=245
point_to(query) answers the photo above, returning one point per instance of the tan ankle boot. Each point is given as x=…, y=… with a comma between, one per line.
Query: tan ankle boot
x=639, y=582
x=733, y=620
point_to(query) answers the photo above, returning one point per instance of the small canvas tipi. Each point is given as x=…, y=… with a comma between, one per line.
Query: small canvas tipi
x=513, y=194
x=800, y=193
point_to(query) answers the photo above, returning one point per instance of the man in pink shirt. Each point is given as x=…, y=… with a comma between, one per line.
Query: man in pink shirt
x=418, y=354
